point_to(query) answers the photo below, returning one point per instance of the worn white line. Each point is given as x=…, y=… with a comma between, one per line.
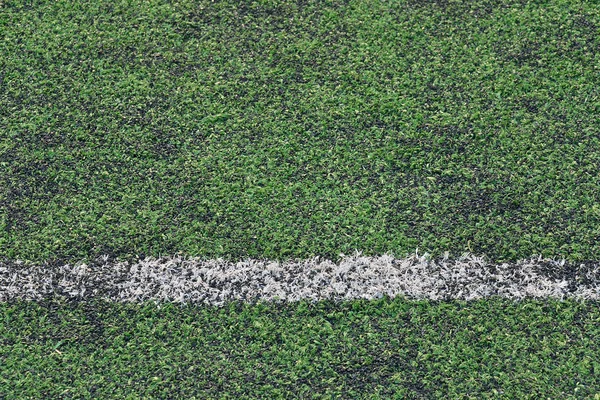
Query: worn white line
x=193, y=280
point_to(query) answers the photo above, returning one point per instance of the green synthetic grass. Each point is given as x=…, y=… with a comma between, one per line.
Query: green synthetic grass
x=279, y=130
x=299, y=129
x=378, y=350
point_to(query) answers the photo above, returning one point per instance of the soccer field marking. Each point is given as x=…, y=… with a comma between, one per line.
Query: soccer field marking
x=193, y=280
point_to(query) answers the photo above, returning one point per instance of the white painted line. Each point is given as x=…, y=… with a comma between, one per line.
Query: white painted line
x=216, y=282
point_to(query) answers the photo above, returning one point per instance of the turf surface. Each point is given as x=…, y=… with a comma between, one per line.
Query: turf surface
x=287, y=130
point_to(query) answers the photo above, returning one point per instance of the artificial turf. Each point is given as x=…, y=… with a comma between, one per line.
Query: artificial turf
x=294, y=129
